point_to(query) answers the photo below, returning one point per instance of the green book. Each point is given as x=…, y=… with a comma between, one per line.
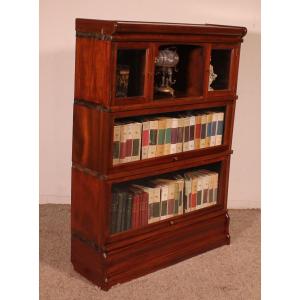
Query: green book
x=114, y=213
x=128, y=211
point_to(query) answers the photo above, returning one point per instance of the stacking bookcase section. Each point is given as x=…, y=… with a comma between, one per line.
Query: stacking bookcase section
x=139, y=203
x=158, y=135
x=179, y=71
x=153, y=119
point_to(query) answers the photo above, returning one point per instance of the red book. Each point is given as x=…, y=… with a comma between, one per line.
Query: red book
x=145, y=138
x=123, y=150
x=193, y=200
x=136, y=210
x=128, y=148
x=198, y=131
x=171, y=206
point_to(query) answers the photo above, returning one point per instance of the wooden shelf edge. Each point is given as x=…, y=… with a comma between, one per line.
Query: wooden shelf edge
x=146, y=168
x=130, y=237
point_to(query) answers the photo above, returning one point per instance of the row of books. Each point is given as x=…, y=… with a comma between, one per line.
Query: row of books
x=137, y=205
x=159, y=136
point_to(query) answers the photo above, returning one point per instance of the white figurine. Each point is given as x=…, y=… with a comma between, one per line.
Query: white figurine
x=212, y=77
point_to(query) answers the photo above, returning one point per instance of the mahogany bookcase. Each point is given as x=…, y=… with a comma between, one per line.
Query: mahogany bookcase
x=107, y=259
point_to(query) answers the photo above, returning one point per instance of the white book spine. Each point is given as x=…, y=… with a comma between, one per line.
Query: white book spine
x=116, y=144
x=129, y=141
x=152, y=143
x=220, y=126
x=164, y=202
x=174, y=128
x=203, y=131
x=214, y=129
x=192, y=133
x=136, y=147
x=145, y=139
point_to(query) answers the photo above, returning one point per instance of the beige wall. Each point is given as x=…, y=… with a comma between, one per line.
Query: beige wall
x=57, y=41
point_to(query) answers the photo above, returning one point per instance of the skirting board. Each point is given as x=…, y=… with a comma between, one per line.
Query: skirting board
x=235, y=204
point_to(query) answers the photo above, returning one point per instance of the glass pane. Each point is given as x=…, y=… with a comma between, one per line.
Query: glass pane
x=163, y=134
x=130, y=74
x=178, y=71
x=219, y=69
x=138, y=203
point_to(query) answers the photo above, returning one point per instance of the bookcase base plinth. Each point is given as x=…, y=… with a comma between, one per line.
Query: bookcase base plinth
x=146, y=256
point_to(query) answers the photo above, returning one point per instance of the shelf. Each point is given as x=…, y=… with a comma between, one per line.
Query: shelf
x=130, y=237
x=172, y=105
x=165, y=198
x=164, y=162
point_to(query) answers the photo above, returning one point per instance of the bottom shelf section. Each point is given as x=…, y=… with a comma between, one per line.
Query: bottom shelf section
x=120, y=264
x=138, y=203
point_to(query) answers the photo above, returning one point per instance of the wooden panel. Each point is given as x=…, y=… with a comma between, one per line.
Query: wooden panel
x=92, y=70
x=149, y=256
x=86, y=137
x=112, y=27
x=92, y=136
x=88, y=206
x=87, y=262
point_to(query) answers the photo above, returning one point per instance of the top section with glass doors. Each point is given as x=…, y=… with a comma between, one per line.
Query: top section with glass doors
x=142, y=63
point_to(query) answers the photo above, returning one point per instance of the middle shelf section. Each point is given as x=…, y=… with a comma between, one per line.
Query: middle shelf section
x=152, y=136
x=138, y=203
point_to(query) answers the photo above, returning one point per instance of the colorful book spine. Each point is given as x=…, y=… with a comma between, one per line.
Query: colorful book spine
x=171, y=198
x=203, y=131
x=144, y=208
x=186, y=134
x=215, y=187
x=136, y=208
x=123, y=137
x=197, y=131
x=128, y=211
x=167, y=145
x=136, y=141
x=208, y=129
x=153, y=138
x=213, y=129
x=122, y=196
x=199, y=191
x=174, y=135
x=129, y=140
x=156, y=204
x=180, y=182
x=164, y=201
x=220, y=124
x=145, y=139
x=176, y=197
x=116, y=145
x=187, y=190
x=205, y=191
x=114, y=213
x=161, y=136
x=192, y=133
x=193, y=202
x=180, y=129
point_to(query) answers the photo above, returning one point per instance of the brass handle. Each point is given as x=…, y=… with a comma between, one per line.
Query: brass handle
x=175, y=158
x=171, y=222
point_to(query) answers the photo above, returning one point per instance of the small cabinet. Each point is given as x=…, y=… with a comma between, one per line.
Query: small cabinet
x=131, y=73
x=223, y=62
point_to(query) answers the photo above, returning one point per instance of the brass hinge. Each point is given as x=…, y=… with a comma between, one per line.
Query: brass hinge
x=95, y=35
x=89, y=171
x=89, y=243
x=91, y=105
